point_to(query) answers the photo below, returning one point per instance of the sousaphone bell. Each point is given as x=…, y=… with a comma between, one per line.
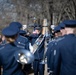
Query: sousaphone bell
x=24, y=56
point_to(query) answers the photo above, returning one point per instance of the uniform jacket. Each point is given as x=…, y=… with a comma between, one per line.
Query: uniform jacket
x=39, y=53
x=51, y=53
x=65, y=58
x=22, y=42
x=8, y=61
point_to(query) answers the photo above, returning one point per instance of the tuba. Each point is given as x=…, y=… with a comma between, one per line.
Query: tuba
x=24, y=56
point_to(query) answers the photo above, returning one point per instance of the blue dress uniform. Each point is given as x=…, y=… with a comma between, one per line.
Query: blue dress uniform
x=49, y=57
x=38, y=56
x=65, y=58
x=21, y=41
x=51, y=51
x=7, y=58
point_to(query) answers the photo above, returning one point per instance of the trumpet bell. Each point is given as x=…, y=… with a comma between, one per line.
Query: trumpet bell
x=24, y=56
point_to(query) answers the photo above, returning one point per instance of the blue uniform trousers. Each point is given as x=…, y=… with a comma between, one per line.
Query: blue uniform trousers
x=38, y=67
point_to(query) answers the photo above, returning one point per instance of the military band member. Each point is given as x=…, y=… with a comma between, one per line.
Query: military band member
x=21, y=42
x=51, y=47
x=7, y=59
x=38, y=68
x=65, y=57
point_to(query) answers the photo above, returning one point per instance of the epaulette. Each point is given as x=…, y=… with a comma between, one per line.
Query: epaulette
x=21, y=43
x=59, y=39
x=51, y=41
x=1, y=47
x=20, y=46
